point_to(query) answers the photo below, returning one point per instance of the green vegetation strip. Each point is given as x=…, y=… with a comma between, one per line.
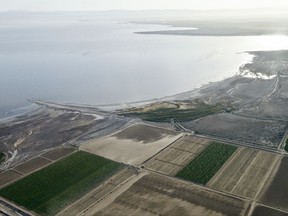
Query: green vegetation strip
x=52, y=188
x=2, y=157
x=286, y=146
x=207, y=163
x=180, y=115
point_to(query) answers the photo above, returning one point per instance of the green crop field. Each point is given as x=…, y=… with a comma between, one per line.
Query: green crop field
x=207, y=163
x=52, y=188
x=179, y=115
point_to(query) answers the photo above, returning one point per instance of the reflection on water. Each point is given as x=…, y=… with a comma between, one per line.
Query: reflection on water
x=96, y=63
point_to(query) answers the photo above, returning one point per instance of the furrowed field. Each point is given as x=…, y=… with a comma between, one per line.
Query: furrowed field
x=204, y=166
x=50, y=189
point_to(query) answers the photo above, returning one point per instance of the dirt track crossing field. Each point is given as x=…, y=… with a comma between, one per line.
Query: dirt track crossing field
x=158, y=195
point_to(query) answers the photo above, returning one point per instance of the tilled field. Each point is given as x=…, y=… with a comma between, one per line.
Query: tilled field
x=32, y=165
x=276, y=194
x=158, y=195
x=57, y=153
x=243, y=174
x=8, y=176
x=265, y=211
x=174, y=158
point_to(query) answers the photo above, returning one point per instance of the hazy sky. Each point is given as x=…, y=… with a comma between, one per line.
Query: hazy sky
x=51, y=5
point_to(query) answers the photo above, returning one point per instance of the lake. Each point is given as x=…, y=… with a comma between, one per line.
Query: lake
x=102, y=61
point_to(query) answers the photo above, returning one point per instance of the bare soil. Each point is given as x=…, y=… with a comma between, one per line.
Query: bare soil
x=276, y=194
x=8, y=176
x=244, y=173
x=233, y=172
x=32, y=165
x=262, y=210
x=191, y=144
x=155, y=195
x=95, y=195
x=163, y=167
x=31, y=134
x=132, y=150
x=143, y=133
x=174, y=158
x=58, y=153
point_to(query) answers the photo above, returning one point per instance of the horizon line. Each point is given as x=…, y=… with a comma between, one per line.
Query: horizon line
x=143, y=10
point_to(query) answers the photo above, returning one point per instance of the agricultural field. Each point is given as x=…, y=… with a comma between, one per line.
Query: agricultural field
x=276, y=194
x=158, y=195
x=207, y=163
x=57, y=153
x=101, y=191
x=61, y=183
x=32, y=165
x=8, y=176
x=176, y=156
x=253, y=167
x=262, y=210
x=132, y=145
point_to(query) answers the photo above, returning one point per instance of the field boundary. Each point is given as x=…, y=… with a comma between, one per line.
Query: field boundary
x=161, y=150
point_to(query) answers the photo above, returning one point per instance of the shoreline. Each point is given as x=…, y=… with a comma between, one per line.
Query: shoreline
x=115, y=106
x=252, y=113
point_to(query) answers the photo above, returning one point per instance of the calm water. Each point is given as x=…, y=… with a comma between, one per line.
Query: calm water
x=100, y=61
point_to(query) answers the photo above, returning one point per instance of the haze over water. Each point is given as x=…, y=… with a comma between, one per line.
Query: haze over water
x=101, y=61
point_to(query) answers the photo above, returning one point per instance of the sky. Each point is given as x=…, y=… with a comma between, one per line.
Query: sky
x=79, y=5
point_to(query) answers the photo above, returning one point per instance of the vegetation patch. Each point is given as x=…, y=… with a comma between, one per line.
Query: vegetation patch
x=178, y=112
x=2, y=157
x=286, y=145
x=207, y=163
x=61, y=183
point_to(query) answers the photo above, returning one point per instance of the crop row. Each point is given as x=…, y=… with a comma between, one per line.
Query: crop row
x=207, y=163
